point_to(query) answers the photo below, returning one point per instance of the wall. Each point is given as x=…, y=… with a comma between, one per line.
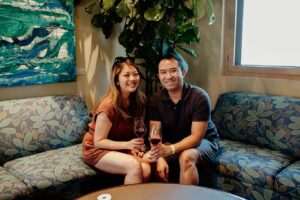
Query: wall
x=94, y=55
x=207, y=70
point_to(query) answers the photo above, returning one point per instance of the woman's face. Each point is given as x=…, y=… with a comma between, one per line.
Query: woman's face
x=128, y=80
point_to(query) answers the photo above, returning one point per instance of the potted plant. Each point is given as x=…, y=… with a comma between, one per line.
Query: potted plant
x=151, y=27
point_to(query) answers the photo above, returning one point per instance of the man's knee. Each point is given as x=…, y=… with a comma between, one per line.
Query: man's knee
x=189, y=158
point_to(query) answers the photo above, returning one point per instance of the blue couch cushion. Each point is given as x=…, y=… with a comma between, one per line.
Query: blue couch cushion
x=11, y=187
x=33, y=125
x=267, y=121
x=288, y=180
x=250, y=164
x=52, y=171
x=247, y=190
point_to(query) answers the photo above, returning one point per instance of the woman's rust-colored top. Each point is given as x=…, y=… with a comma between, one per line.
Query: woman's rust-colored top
x=121, y=130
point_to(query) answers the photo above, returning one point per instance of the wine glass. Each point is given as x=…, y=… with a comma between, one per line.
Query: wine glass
x=139, y=129
x=155, y=136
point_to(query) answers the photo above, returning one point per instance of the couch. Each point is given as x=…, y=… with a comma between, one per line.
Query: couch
x=259, y=156
x=40, y=149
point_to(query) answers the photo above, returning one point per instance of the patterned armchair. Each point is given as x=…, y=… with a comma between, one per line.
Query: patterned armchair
x=260, y=145
x=40, y=150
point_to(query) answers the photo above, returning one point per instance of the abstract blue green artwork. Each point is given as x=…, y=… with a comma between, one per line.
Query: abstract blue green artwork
x=37, y=43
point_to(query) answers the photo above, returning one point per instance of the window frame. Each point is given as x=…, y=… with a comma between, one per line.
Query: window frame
x=230, y=46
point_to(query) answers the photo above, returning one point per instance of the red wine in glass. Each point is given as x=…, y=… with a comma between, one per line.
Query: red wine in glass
x=154, y=141
x=140, y=132
x=154, y=137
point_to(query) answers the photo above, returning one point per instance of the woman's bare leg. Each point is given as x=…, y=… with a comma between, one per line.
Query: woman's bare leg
x=121, y=163
x=146, y=171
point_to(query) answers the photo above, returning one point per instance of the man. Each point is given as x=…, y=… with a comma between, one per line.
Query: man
x=183, y=112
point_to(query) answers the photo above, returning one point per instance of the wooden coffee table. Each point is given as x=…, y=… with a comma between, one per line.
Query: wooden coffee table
x=161, y=191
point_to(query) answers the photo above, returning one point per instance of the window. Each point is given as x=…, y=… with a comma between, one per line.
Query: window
x=262, y=38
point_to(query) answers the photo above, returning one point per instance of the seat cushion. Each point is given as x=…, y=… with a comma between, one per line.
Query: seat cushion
x=247, y=190
x=249, y=163
x=288, y=180
x=11, y=187
x=52, y=172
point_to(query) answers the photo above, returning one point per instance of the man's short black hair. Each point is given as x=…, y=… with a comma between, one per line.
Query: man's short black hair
x=181, y=61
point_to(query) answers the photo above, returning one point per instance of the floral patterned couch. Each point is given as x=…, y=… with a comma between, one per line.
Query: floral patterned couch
x=40, y=150
x=260, y=145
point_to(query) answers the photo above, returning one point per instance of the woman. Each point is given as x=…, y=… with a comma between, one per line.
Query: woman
x=110, y=145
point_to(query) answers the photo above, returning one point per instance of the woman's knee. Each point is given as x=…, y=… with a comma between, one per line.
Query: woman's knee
x=133, y=165
x=146, y=171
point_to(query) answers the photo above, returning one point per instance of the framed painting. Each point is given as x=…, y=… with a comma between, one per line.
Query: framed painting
x=37, y=43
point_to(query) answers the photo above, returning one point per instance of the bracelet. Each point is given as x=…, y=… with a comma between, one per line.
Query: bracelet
x=173, y=149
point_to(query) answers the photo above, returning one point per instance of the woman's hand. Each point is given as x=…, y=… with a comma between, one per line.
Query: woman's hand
x=136, y=143
x=137, y=153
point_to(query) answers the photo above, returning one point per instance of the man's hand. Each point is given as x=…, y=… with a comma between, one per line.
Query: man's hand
x=162, y=169
x=162, y=150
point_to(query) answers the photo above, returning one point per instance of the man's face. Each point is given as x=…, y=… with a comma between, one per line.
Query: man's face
x=170, y=74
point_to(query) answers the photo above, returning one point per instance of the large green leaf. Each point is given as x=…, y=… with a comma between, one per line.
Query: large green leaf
x=198, y=8
x=155, y=13
x=122, y=9
x=125, y=37
x=189, y=36
x=99, y=20
x=107, y=29
x=107, y=4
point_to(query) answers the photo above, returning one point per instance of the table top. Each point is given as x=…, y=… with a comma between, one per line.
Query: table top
x=161, y=191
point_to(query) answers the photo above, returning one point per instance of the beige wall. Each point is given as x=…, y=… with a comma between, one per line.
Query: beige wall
x=206, y=70
x=94, y=55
